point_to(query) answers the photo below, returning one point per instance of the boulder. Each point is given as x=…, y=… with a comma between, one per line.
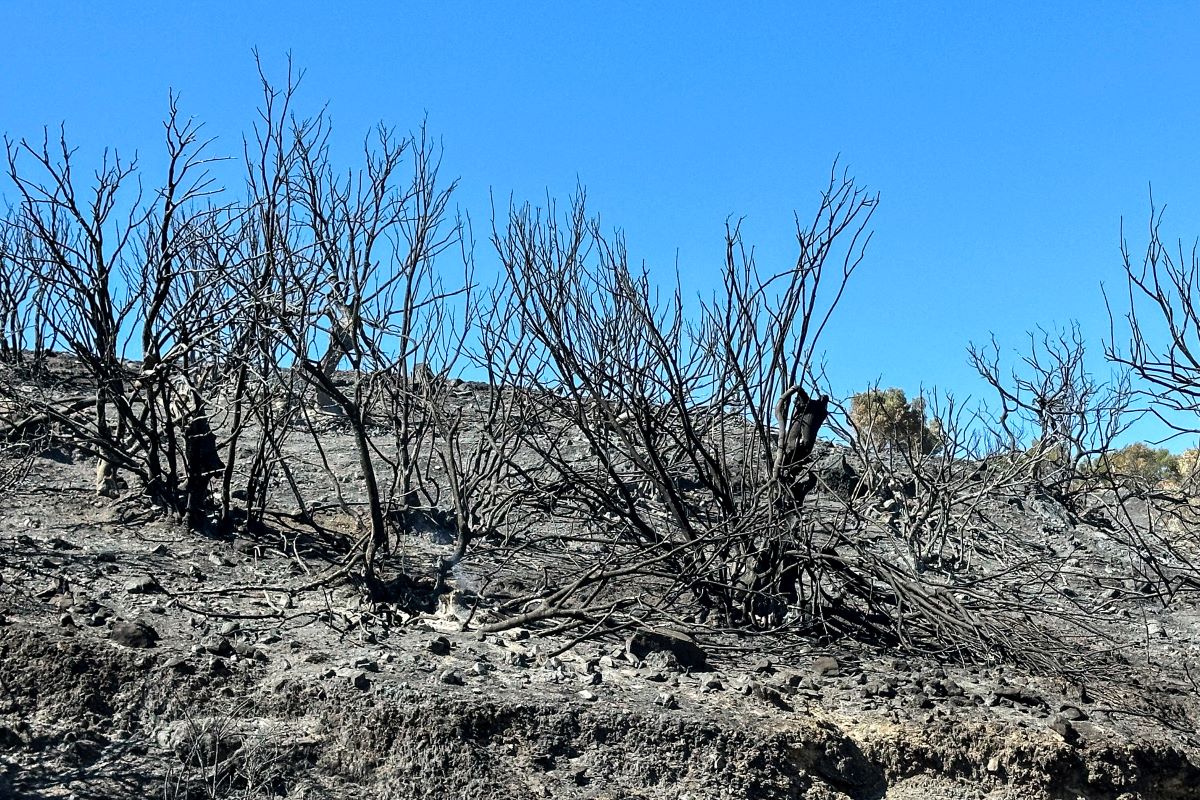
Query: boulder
x=133, y=634
x=687, y=653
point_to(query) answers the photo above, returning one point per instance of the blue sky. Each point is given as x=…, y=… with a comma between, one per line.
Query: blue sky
x=1006, y=140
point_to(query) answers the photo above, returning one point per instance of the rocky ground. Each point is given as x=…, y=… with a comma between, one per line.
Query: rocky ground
x=140, y=660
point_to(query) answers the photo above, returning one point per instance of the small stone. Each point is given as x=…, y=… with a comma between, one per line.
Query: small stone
x=764, y=666
x=666, y=700
x=218, y=646
x=179, y=664
x=133, y=634
x=106, y=557
x=359, y=680
x=451, y=678
x=1064, y=729
x=143, y=584
x=712, y=685
x=774, y=697
x=66, y=621
x=366, y=664
x=993, y=764
x=480, y=668
x=1072, y=713
x=219, y=668
x=594, y=679
x=662, y=661
x=230, y=628
x=588, y=696
x=440, y=646
x=826, y=667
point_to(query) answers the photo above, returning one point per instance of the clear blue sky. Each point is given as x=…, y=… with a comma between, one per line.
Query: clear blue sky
x=1007, y=140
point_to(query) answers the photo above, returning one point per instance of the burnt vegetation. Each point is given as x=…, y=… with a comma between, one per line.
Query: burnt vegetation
x=659, y=461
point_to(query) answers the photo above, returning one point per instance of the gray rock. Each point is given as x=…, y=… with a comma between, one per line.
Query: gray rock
x=249, y=651
x=451, y=678
x=1072, y=713
x=440, y=646
x=218, y=646
x=143, y=584
x=662, y=661
x=835, y=471
x=1064, y=729
x=359, y=680
x=666, y=700
x=826, y=667
x=683, y=647
x=764, y=666
x=179, y=664
x=133, y=634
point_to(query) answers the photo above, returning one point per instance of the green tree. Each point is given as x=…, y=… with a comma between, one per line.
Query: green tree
x=887, y=418
x=1144, y=464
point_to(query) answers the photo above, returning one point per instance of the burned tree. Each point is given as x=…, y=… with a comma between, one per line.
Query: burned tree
x=685, y=444
x=108, y=265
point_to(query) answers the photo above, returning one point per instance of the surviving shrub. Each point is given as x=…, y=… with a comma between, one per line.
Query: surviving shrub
x=1144, y=464
x=887, y=418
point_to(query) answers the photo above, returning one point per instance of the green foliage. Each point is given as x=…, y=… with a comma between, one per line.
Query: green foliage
x=887, y=418
x=1145, y=464
x=1187, y=466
